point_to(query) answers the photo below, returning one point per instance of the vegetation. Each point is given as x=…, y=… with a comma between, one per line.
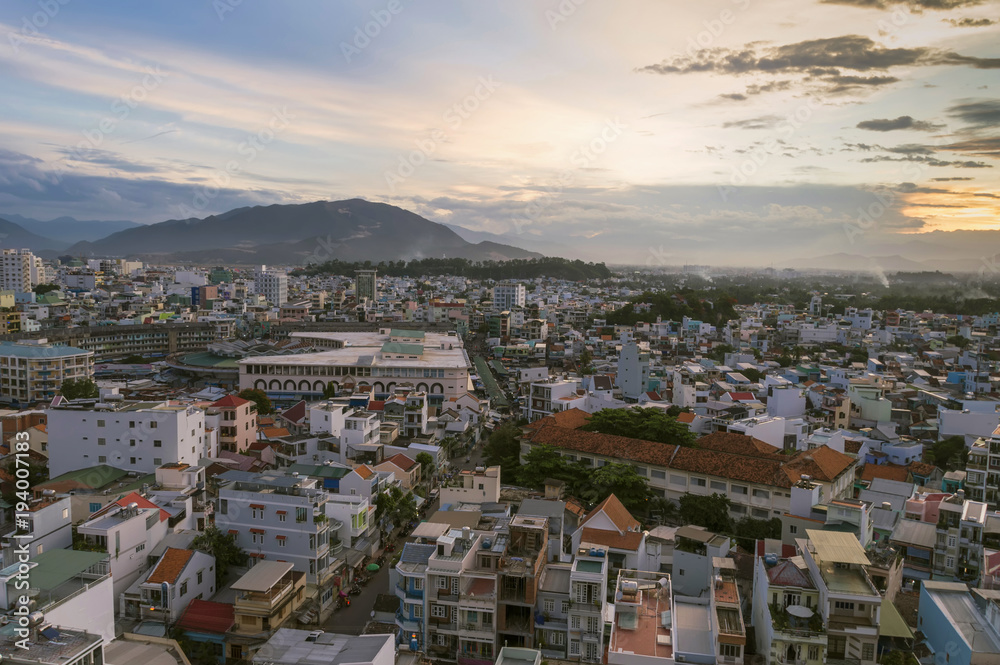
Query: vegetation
x=426, y=462
x=395, y=506
x=223, y=547
x=712, y=512
x=504, y=448
x=648, y=424
x=329, y=390
x=79, y=389
x=553, y=267
x=45, y=288
x=948, y=454
x=260, y=398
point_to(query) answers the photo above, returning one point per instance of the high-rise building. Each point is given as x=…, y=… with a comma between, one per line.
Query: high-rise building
x=20, y=270
x=272, y=284
x=508, y=295
x=365, y=284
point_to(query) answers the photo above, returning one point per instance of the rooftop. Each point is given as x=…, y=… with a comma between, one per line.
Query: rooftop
x=263, y=576
x=303, y=647
x=640, y=627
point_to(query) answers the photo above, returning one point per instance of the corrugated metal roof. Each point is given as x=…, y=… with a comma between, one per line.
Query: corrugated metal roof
x=416, y=553
x=837, y=547
x=262, y=576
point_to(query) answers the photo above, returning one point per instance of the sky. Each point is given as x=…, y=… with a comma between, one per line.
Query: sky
x=632, y=131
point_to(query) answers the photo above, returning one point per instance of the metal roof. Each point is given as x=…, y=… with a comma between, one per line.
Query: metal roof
x=837, y=547
x=263, y=576
x=56, y=566
x=416, y=553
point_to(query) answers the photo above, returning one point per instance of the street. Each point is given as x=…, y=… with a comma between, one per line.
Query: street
x=352, y=620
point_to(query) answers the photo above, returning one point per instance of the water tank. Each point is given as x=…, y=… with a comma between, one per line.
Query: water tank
x=630, y=586
x=133, y=506
x=480, y=469
x=771, y=559
x=466, y=533
x=35, y=618
x=48, y=492
x=487, y=543
x=592, y=552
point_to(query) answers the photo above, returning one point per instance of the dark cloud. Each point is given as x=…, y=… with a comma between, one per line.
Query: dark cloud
x=842, y=83
x=904, y=149
x=978, y=113
x=983, y=147
x=915, y=4
x=970, y=22
x=950, y=179
x=734, y=97
x=107, y=158
x=930, y=161
x=902, y=122
x=760, y=122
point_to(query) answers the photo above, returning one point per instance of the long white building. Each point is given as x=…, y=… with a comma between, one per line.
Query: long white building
x=20, y=270
x=33, y=370
x=434, y=363
x=135, y=436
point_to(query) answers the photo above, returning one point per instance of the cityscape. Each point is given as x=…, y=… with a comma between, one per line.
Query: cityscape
x=531, y=333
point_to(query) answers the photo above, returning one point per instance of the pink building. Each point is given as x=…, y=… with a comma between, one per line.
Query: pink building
x=237, y=423
x=925, y=507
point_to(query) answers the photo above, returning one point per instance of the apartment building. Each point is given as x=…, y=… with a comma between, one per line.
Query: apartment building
x=941, y=536
x=366, y=285
x=266, y=597
x=126, y=534
x=544, y=397
x=135, y=436
x=508, y=295
x=272, y=283
x=588, y=598
x=278, y=517
x=850, y=604
x=435, y=364
x=21, y=271
x=49, y=525
x=959, y=622
x=236, y=420
x=786, y=602
x=163, y=594
x=982, y=478
x=33, y=370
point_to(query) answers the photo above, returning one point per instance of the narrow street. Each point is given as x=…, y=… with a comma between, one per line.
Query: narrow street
x=351, y=620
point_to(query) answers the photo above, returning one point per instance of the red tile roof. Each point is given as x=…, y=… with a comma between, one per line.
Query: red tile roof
x=886, y=471
x=570, y=418
x=823, y=464
x=295, y=414
x=376, y=404
x=787, y=574
x=364, y=471
x=206, y=616
x=170, y=566
x=133, y=497
x=630, y=540
x=275, y=432
x=608, y=445
x=402, y=461
x=230, y=401
x=742, y=397
x=687, y=417
x=922, y=468
x=739, y=444
x=852, y=446
x=616, y=512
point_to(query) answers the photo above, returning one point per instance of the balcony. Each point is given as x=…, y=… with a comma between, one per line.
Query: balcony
x=477, y=631
x=443, y=624
x=447, y=596
x=406, y=624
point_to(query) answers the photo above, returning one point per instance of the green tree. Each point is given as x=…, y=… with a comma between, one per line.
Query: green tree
x=755, y=375
x=260, y=398
x=948, y=454
x=45, y=288
x=711, y=512
x=79, y=389
x=749, y=530
x=649, y=424
x=504, y=448
x=785, y=360
x=329, y=391
x=624, y=482
x=959, y=341
x=405, y=510
x=544, y=462
x=426, y=462
x=223, y=547
x=586, y=358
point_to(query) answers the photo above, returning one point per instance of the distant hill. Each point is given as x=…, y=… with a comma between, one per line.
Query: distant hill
x=306, y=233
x=67, y=230
x=14, y=236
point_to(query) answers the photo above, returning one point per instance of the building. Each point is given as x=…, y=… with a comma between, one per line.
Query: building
x=180, y=576
x=33, y=370
x=126, y=535
x=135, y=436
x=266, y=598
x=508, y=295
x=272, y=283
x=304, y=647
x=236, y=419
x=52, y=645
x=633, y=372
x=366, y=285
x=20, y=270
x=433, y=363
x=277, y=517
x=643, y=629
x=48, y=523
x=959, y=624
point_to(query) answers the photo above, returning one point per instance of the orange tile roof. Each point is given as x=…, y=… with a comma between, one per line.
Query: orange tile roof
x=616, y=512
x=630, y=540
x=823, y=464
x=687, y=418
x=761, y=470
x=231, y=401
x=402, y=461
x=170, y=566
x=922, y=468
x=570, y=418
x=608, y=445
x=738, y=444
x=364, y=471
x=852, y=446
x=275, y=432
x=886, y=471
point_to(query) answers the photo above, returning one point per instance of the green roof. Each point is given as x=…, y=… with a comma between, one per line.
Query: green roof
x=406, y=349
x=88, y=475
x=410, y=334
x=208, y=359
x=58, y=566
x=892, y=623
x=319, y=470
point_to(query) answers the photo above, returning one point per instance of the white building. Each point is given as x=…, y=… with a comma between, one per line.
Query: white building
x=185, y=574
x=135, y=436
x=508, y=295
x=272, y=284
x=33, y=370
x=20, y=270
x=633, y=371
x=49, y=525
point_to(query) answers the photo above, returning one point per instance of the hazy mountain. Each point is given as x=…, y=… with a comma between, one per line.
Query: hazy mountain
x=522, y=241
x=68, y=230
x=13, y=236
x=854, y=262
x=348, y=230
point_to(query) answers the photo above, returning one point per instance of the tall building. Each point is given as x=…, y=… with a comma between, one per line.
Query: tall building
x=33, y=370
x=272, y=284
x=21, y=270
x=508, y=295
x=365, y=285
x=633, y=372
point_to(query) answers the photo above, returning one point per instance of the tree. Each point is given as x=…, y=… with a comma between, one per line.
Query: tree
x=79, y=389
x=504, y=448
x=959, y=341
x=649, y=424
x=329, y=391
x=45, y=288
x=544, y=462
x=223, y=547
x=784, y=360
x=749, y=530
x=624, y=482
x=755, y=375
x=711, y=512
x=426, y=462
x=260, y=398
x=948, y=454
x=405, y=510
x=586, y=357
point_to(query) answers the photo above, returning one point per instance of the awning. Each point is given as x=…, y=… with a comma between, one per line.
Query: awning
x=281, y=537
x=257, y=506
x=353, y=558
x=892, y=623
x=281, y=512
x=257, y=531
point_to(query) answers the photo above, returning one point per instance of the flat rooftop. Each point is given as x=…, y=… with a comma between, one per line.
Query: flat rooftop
x=639, y=625
x=362, y=349
x=297, y=647
x=693, y=624
x=955, y=602
x=57, y=645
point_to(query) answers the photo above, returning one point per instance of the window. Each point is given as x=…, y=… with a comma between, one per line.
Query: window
x=951, y=541
x=257, y=513
x=678, y=480
x=761, y=494
x=557, y=638
x=101, y=441
x=439, y=611
x=418, y=611
x=281, y=541
x=152, y=424
x=843, y=605
x=659, y=475
x=574, y=622
x=548, y=605
x=442, y=582
x=949, y=562
x=574, y=647
x=718, y=485
x=101, y=459
x=94, y=507
x=868, y=651
x=65, y=513
x=697, y=482
x=814, y=652
x=564, y=606
x=157, y=461
x=257, y=538
x=131, y=460
x=418, y=584
x=729, y=650
x=739, y=489
x=157, y=443
x=201, y=575
x=131, y=424
x=300, y=514
x=281, y=517
x=792, y=529
x=100, y=423
x=184, y=588
x=140, y=547
x=760, y=513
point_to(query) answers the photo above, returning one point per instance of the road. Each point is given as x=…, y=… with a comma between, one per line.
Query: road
x=352, y=620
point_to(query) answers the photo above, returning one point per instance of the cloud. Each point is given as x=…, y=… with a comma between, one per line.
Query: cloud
x=979, y=113
x=902, y=122
x=950, y=179
x=760, y=122
x=970, y=22
x=915, y=4
x=930, y=161
x=984, y=147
